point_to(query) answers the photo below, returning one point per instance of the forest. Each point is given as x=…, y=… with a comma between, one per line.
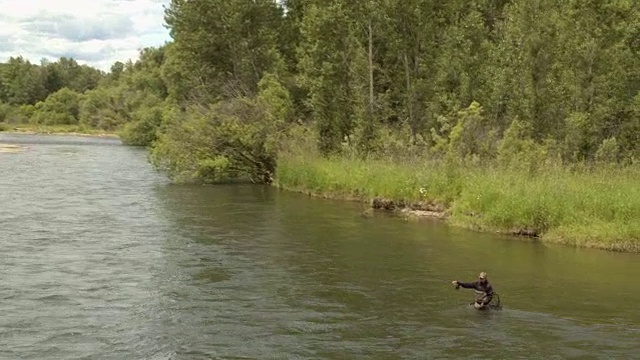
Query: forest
x=516, y=115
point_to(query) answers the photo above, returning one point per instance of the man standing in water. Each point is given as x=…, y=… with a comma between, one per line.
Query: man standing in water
x=484, y=290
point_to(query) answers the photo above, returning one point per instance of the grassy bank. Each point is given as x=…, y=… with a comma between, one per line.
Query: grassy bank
x=597, y=208
x=54, y=129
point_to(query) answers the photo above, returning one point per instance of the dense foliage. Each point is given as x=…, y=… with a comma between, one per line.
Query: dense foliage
x=522, y=83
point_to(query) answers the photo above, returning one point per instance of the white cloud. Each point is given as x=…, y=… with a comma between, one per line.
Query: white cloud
x=97, y=32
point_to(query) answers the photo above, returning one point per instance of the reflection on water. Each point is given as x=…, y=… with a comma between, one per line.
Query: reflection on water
x=103, y=258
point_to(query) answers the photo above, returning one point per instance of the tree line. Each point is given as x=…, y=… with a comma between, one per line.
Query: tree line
x=509, y=81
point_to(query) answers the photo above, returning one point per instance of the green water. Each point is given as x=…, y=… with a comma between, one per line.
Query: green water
x=103, y=258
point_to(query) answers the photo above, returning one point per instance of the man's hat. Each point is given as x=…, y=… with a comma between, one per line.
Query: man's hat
x=483, y=275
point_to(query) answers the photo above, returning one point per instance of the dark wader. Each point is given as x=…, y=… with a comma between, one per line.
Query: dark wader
x=484, y=292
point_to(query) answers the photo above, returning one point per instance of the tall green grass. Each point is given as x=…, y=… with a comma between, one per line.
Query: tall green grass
x=364, y=180
x=595, y=208
x=590, y=208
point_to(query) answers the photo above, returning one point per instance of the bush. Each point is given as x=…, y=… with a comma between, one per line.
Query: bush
x=608, y=152
x=235, y=138
x=230, y=140
x=11, y=114
x=143, y=130
x=102, y=108
x=518, y=151
x=60, y=108
x=470, y=137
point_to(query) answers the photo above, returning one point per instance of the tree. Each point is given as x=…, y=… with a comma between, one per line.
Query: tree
x=23, y=82
x=224, y=47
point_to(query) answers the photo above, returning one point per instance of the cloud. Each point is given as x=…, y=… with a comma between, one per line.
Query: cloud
x=97, y=33
x=74, y=29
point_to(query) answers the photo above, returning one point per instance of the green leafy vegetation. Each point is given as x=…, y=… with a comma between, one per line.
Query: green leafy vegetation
x=514, y=115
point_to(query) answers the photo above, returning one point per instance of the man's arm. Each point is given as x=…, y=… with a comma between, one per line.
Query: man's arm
x=471, y=285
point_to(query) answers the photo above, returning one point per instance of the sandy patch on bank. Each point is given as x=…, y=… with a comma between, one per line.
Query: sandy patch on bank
x=11, y=148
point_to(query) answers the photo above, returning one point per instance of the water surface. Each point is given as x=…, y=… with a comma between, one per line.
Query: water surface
x=103, y=258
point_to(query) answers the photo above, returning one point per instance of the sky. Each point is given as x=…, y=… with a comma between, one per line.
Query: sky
x=93, y=32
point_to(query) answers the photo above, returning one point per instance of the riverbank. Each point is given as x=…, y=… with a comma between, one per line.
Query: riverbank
x=595, y=208
x=74, y=130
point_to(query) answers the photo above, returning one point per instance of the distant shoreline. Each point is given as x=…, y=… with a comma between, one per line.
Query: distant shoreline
x=71, y=130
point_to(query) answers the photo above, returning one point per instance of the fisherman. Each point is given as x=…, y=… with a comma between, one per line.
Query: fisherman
x=484, y=290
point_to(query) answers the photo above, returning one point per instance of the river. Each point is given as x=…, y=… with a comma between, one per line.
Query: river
x=103, y=258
